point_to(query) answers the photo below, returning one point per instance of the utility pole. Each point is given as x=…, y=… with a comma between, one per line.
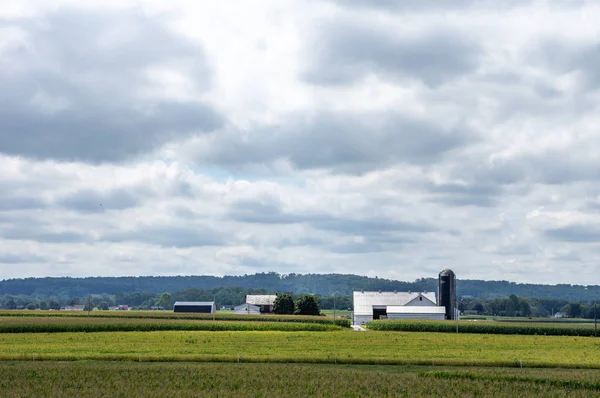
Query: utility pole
x=89, y=304
x=334, y=308
x=595, y=320
x=215, y=304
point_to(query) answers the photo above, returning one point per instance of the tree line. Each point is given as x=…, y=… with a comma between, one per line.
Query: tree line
x=316, y=284
x=514, y=306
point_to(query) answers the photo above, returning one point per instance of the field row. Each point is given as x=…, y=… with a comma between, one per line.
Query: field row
x=342, y=346
x=172, y=315
x=483, y=327
x=97, y=379
x=105, y=324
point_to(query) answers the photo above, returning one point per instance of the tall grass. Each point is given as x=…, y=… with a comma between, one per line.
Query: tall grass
x=150, y=327
x=477, y=327
x=181, y=315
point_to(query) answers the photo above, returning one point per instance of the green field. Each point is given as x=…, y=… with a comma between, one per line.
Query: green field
x=343, y=346
x=262, y=358
x=486, y=327
x=102, y=379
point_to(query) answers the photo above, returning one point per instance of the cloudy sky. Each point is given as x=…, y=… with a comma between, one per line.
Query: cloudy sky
x=382, y=138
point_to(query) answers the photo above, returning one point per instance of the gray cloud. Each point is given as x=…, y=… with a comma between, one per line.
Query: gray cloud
x=75, y=92
x=169, y=236
x=344, y=142
x=42, y=234
x=345, y=52
x=90, y=201
x=8, y=203
x=464, y=195
x=20, y=259
x=574, y=233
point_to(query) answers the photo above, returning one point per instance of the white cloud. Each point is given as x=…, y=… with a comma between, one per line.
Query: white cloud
x=391, y=139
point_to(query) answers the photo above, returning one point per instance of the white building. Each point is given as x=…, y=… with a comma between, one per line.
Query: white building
x=264, y=301
x=395, y=305
x=246, y=309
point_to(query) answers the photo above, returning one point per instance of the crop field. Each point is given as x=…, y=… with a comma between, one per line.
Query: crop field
x=486, y=327
x=172, y=315
x=187, y=355
x=105, y=324
x=343, y=346
x=101, y=379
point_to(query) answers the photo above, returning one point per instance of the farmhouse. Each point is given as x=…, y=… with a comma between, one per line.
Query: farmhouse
x=247, y=309
x=264, y=301
x=206, y=307
x=395, y=305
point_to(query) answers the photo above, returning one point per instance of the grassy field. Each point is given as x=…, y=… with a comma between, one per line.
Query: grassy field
x=342, y=346
x=224, y=316
x=488, y=327
x=108, y=379
x=252, y=358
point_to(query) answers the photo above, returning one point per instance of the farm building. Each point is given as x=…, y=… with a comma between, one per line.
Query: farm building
x=395, y=305
x=206, y=307
x=247, y=309
x=406, y=305
x=264, y=301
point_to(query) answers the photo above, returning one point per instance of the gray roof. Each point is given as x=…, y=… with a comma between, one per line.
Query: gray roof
x=194, y=303
x=261, y=299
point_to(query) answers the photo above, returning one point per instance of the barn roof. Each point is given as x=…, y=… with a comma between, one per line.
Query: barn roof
x=194, y=303
x=394, y=309
x=365, y=301
x=261, y=299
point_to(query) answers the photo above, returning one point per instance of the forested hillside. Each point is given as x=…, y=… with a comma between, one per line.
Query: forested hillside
x=321, y=284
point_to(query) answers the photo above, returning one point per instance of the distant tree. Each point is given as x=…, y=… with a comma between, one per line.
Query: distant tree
x=75, y=301
x=53, y=304
x=31, y=306
x=479, y=308
x=43, y=305
x=103, y=306
x=165, y=300
x=307, y=305
x=10, y=305
x=284, y=304
x=573, y=310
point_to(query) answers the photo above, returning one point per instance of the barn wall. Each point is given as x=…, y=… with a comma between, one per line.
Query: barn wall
x=362, y=319
x=416, y=316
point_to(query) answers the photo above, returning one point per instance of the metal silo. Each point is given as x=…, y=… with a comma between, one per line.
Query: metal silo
x=447, y=292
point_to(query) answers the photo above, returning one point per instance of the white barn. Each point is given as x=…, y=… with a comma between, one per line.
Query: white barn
x=395, y=305
x=246, y=309
x=264, y=301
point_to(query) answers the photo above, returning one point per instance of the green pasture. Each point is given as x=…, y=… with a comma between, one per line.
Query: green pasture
x=485, y=327
x=102, y=379
x=343, y=346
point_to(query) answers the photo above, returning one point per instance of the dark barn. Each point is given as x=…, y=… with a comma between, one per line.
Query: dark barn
x=206, y=307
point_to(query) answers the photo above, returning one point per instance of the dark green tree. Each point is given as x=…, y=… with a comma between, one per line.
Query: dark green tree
x=10, y=305
x=165, y=301
x=307, y=305
x=103, y=306
x=284, y=304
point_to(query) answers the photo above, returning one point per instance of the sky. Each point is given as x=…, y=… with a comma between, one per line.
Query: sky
x=382, y=138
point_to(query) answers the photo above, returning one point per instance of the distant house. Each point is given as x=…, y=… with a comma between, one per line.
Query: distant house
x=123, y=307
x=246, y=309
x=264, y=301
x=205, y=307
x=73, y=308
x=560, y=315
